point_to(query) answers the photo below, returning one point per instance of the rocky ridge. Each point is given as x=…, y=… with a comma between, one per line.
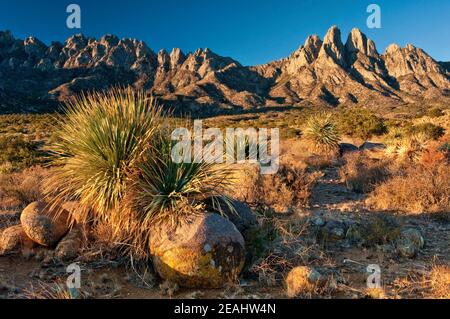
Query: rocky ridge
x=35, y=77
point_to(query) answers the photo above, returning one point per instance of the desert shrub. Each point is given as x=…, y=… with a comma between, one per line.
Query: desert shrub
x=17, y=153
x=408, y=147
x=361, y=123
x=289, y=188
x=23, y=188
x=434, y=284
x=101, y=137
x=381, y=229
x=361, y=173
x=430, y=130
x=415, y=189
x=322, y=133
x=321, y=161
x=434, y=112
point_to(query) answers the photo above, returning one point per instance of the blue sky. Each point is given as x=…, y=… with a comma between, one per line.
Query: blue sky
x=251, y=31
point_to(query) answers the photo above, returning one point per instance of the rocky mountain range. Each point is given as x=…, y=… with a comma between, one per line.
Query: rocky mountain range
x=35, y=77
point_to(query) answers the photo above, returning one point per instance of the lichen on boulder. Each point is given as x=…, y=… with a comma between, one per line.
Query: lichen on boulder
x=205, y=251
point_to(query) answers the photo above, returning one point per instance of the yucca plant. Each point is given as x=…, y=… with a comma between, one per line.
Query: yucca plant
x=321, y=131
x=411, y=147
x=163, y=190
x=102, y=136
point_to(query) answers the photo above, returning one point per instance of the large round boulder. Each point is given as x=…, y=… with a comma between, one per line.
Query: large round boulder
x=13, y=240
x=242, y=216
x=206, y=251
x=44, y=225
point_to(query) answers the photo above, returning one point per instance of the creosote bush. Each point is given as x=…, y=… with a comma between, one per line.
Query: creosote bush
x=289, y=188
x=17, y=153
x=17, y=190
x=430, y=130
x=360, y=123
x=415, y=189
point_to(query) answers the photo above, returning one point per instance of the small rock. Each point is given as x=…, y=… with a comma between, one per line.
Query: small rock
x=301, y=280
x=353, y=234
x=69, y=247
x=333, y=231
x=13, y=240
x=44, y=226
x=410, y=243
x=317, y=221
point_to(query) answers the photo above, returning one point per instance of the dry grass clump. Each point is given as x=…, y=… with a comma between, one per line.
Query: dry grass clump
x=56, y=291
x=282, y=192
x=434, y=284
x=408, y=148
x=17, y=190
x=415, y=189
x=361, y=173
x=286, y=244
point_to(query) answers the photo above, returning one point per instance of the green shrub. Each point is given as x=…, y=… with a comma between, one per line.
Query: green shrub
x=18, y=153
x=361, y=123
x=432, y=131
x=435, y=112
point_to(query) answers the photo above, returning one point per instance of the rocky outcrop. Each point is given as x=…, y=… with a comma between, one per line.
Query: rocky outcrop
x=35, y=77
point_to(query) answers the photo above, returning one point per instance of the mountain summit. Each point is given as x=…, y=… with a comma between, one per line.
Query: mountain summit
x=36, y=77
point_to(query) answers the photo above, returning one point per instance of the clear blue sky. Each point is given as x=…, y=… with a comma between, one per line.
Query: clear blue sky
x=251, y=31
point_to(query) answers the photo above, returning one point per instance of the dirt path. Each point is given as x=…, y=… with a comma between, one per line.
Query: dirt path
x=331, y=194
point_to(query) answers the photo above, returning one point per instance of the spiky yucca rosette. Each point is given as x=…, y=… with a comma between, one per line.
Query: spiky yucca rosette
x=322, y=133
